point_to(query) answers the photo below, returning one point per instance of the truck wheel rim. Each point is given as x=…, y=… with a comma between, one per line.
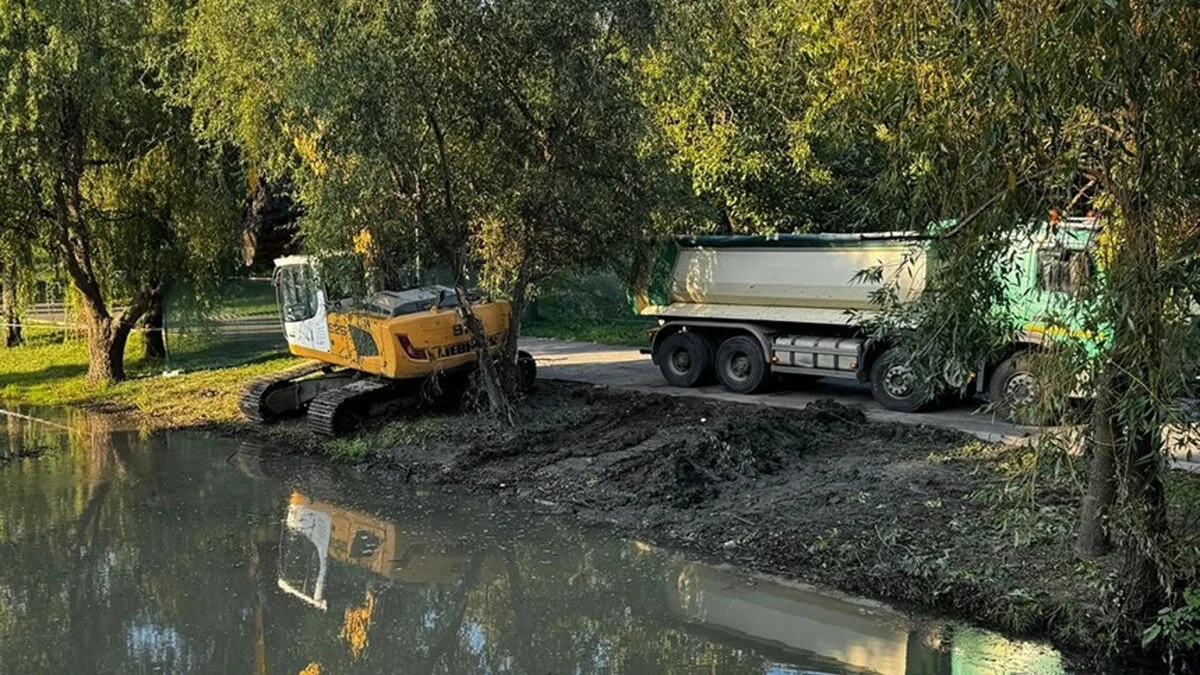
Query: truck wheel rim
x=1021, y=389
x=897, y=381
x=739, y=367
x=681, y=361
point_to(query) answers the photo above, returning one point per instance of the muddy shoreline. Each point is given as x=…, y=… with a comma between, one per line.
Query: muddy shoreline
x=919, y=517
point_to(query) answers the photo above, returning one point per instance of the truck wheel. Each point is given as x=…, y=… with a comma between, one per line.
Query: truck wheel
x=1013, y=388
x=685, y=359
x=741, y=365
x=895, y=386
x=526, y=371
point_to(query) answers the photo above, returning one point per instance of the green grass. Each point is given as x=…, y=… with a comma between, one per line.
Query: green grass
x=49, y=370
x=631, y=334
x=199, y=350
x=245, y=296
x=409, y=431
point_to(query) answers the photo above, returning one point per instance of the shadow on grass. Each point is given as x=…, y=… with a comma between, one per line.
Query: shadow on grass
x=211, y=361
x=46, y=376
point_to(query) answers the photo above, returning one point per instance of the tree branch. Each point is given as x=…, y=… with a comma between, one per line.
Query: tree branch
x=1079, y=195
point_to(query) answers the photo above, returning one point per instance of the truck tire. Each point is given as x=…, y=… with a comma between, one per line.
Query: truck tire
x=685, y=359
x=741, y=365
x=1012, y=387
x=893, y=384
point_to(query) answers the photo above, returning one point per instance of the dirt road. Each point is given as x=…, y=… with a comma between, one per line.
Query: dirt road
x=624, y=367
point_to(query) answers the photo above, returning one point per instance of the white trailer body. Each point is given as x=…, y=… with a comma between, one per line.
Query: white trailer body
x=820, y=284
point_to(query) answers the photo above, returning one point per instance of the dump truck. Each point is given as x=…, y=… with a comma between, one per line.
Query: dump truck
x=367, y=354
x=744, y=308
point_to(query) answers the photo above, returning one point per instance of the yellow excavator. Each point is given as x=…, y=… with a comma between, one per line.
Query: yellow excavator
x=370, y=353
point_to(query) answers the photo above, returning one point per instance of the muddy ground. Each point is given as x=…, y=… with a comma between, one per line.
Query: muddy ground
x=924, y=518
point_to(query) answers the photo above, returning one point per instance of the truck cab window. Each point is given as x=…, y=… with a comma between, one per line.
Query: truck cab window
x=1064, y=270
x=296, y=286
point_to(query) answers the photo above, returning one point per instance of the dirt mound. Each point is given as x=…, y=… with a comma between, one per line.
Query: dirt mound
x=590, y=444
x=687, y=464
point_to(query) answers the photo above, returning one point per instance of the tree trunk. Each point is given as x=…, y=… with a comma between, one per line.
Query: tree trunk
x=105, y=364
x=9, y=312
x=1135, y=300
x=520, y=296
x=1147, y=507
x=152, y=323
x=489, y=376
x=1092, y=540
x=107, y=337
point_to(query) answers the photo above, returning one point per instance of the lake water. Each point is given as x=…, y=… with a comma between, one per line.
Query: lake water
x=178, y=552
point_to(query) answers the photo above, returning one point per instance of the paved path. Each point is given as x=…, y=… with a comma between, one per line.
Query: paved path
x=624, y=367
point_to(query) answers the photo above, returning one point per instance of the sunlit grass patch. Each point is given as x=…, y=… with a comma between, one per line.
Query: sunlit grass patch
x=49, y=370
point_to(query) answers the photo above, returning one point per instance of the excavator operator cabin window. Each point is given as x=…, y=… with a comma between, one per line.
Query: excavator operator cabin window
x=297, y=289
x=1064, y=270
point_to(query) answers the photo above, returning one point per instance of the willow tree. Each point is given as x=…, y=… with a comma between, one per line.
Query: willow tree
x=995, y=113
x=100, y=155
x=562, y=135
x=497, y=135
x=735, y=89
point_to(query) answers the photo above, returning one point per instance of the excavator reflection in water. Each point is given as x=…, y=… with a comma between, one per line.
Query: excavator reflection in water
x=795, y=629
x=317, y=532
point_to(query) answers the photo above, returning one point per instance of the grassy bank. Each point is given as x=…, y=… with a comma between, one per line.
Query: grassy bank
x=49, y=370
x=625, y=334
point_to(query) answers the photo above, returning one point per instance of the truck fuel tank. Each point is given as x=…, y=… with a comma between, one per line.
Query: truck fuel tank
x=805, y=354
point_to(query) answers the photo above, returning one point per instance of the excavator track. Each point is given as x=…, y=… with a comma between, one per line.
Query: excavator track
x=254, y=396
x=333, y=411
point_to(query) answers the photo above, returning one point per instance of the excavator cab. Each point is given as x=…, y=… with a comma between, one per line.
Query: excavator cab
x=303, y=305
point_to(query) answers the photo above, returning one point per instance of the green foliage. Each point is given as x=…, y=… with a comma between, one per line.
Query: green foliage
x=738, y=91
x=992, y=115
x=633, y=334
x=1177, y=627
x=502, y=136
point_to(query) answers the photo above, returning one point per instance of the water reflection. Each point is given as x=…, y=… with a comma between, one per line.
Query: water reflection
x=180, y=553
x=664, y=614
